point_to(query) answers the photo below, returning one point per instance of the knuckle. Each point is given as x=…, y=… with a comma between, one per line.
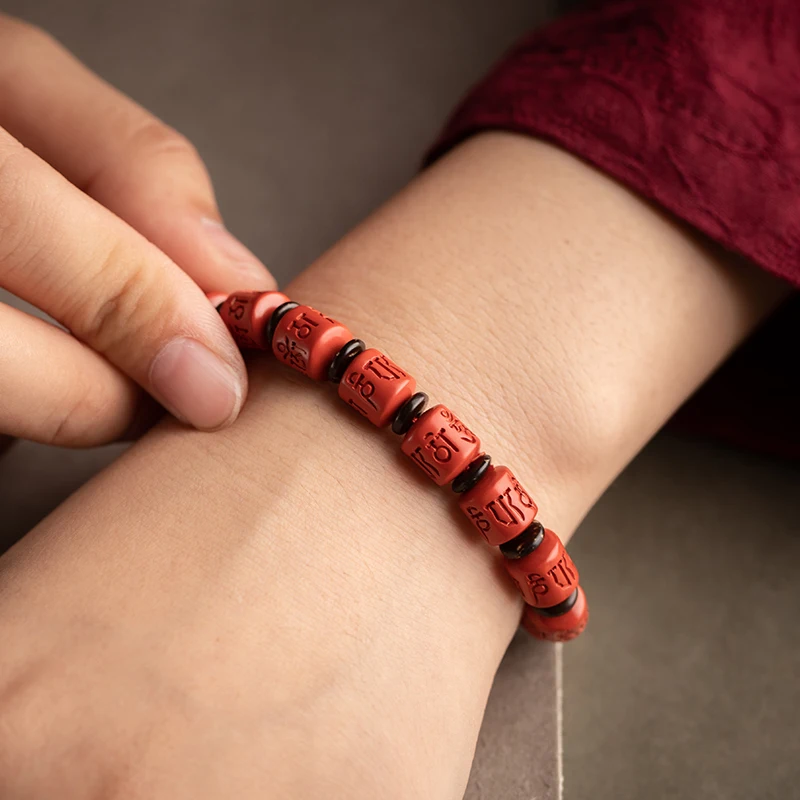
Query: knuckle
x=155, y=138
x=148, y=143
x=127, y=302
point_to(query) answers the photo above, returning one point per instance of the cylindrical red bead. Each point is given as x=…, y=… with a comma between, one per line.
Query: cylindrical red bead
x=557, y=629
x=307, y=340
x=546, y=576
x=247, y=314
x=441, y=445
x=375, y=386
x=498, y=506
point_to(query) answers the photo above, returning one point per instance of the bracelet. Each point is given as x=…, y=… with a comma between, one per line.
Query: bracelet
x=434, y=439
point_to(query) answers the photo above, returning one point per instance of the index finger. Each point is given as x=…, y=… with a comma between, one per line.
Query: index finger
x=115, y=291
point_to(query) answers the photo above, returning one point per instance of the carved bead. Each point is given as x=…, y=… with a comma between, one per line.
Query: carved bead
x=307, y=340
x=440, y=444
x=546, y=576
x=246, y=314
x=498, y=506
x=375, y=386
x=560, y=628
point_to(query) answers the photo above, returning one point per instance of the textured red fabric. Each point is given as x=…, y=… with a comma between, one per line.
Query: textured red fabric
x=696, y=105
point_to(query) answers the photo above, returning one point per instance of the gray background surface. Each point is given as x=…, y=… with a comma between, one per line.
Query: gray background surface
x=308, y=115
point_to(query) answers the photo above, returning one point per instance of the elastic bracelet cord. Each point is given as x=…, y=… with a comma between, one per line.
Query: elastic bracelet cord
x=436, y=440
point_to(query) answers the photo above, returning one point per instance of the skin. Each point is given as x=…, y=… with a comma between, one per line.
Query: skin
x=288, y=608
x=110, y=227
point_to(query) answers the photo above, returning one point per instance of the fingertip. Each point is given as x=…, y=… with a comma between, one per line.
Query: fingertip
x=196, y=385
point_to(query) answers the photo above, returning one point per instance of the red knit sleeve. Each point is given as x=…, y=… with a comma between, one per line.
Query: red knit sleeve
x=694, y=104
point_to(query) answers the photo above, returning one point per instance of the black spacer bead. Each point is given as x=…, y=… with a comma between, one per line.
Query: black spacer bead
x=282, y=309
x=341, y=361
x=469, y=478
x=409, y=413
x=524, y=544
x=561, y=608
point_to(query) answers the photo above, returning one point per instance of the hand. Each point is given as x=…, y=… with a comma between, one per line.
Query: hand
x=108, y=225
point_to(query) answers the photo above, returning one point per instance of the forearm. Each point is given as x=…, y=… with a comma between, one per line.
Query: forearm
x=562, y=318
x=556, y=310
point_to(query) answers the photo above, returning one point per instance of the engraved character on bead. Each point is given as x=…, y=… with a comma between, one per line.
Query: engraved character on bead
x=537, y=584
x=563, y=573
x=498, y=506
x=457, y=425
x=246, y=315
x=291, y=352
x=308, y=340
x=303, y=325
x=366, y=388
x=376, y=387
x=547, y=575
x=441, y=445
x=385, y=369
x=478, y=519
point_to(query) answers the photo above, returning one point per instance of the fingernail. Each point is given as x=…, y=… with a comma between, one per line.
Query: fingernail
x=234, y=253
x=195, y=385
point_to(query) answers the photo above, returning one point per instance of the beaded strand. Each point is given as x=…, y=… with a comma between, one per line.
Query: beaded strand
x=435, y=439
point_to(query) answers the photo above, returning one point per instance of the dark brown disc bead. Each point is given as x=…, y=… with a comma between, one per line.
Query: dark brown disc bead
x=524, y=544
x=341, y=361
x=275, y=319
x=562, y=608
x=409, y=413
x=469, y=478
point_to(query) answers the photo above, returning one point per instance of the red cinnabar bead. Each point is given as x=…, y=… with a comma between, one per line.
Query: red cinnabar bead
x=247, y=313
x=498, y=506
x=375, y=386
x=557, y=629
x=441, y=445
x=307, y=340
x=547, y=576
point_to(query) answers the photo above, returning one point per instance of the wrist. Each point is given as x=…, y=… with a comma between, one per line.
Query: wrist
x=563, y=318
